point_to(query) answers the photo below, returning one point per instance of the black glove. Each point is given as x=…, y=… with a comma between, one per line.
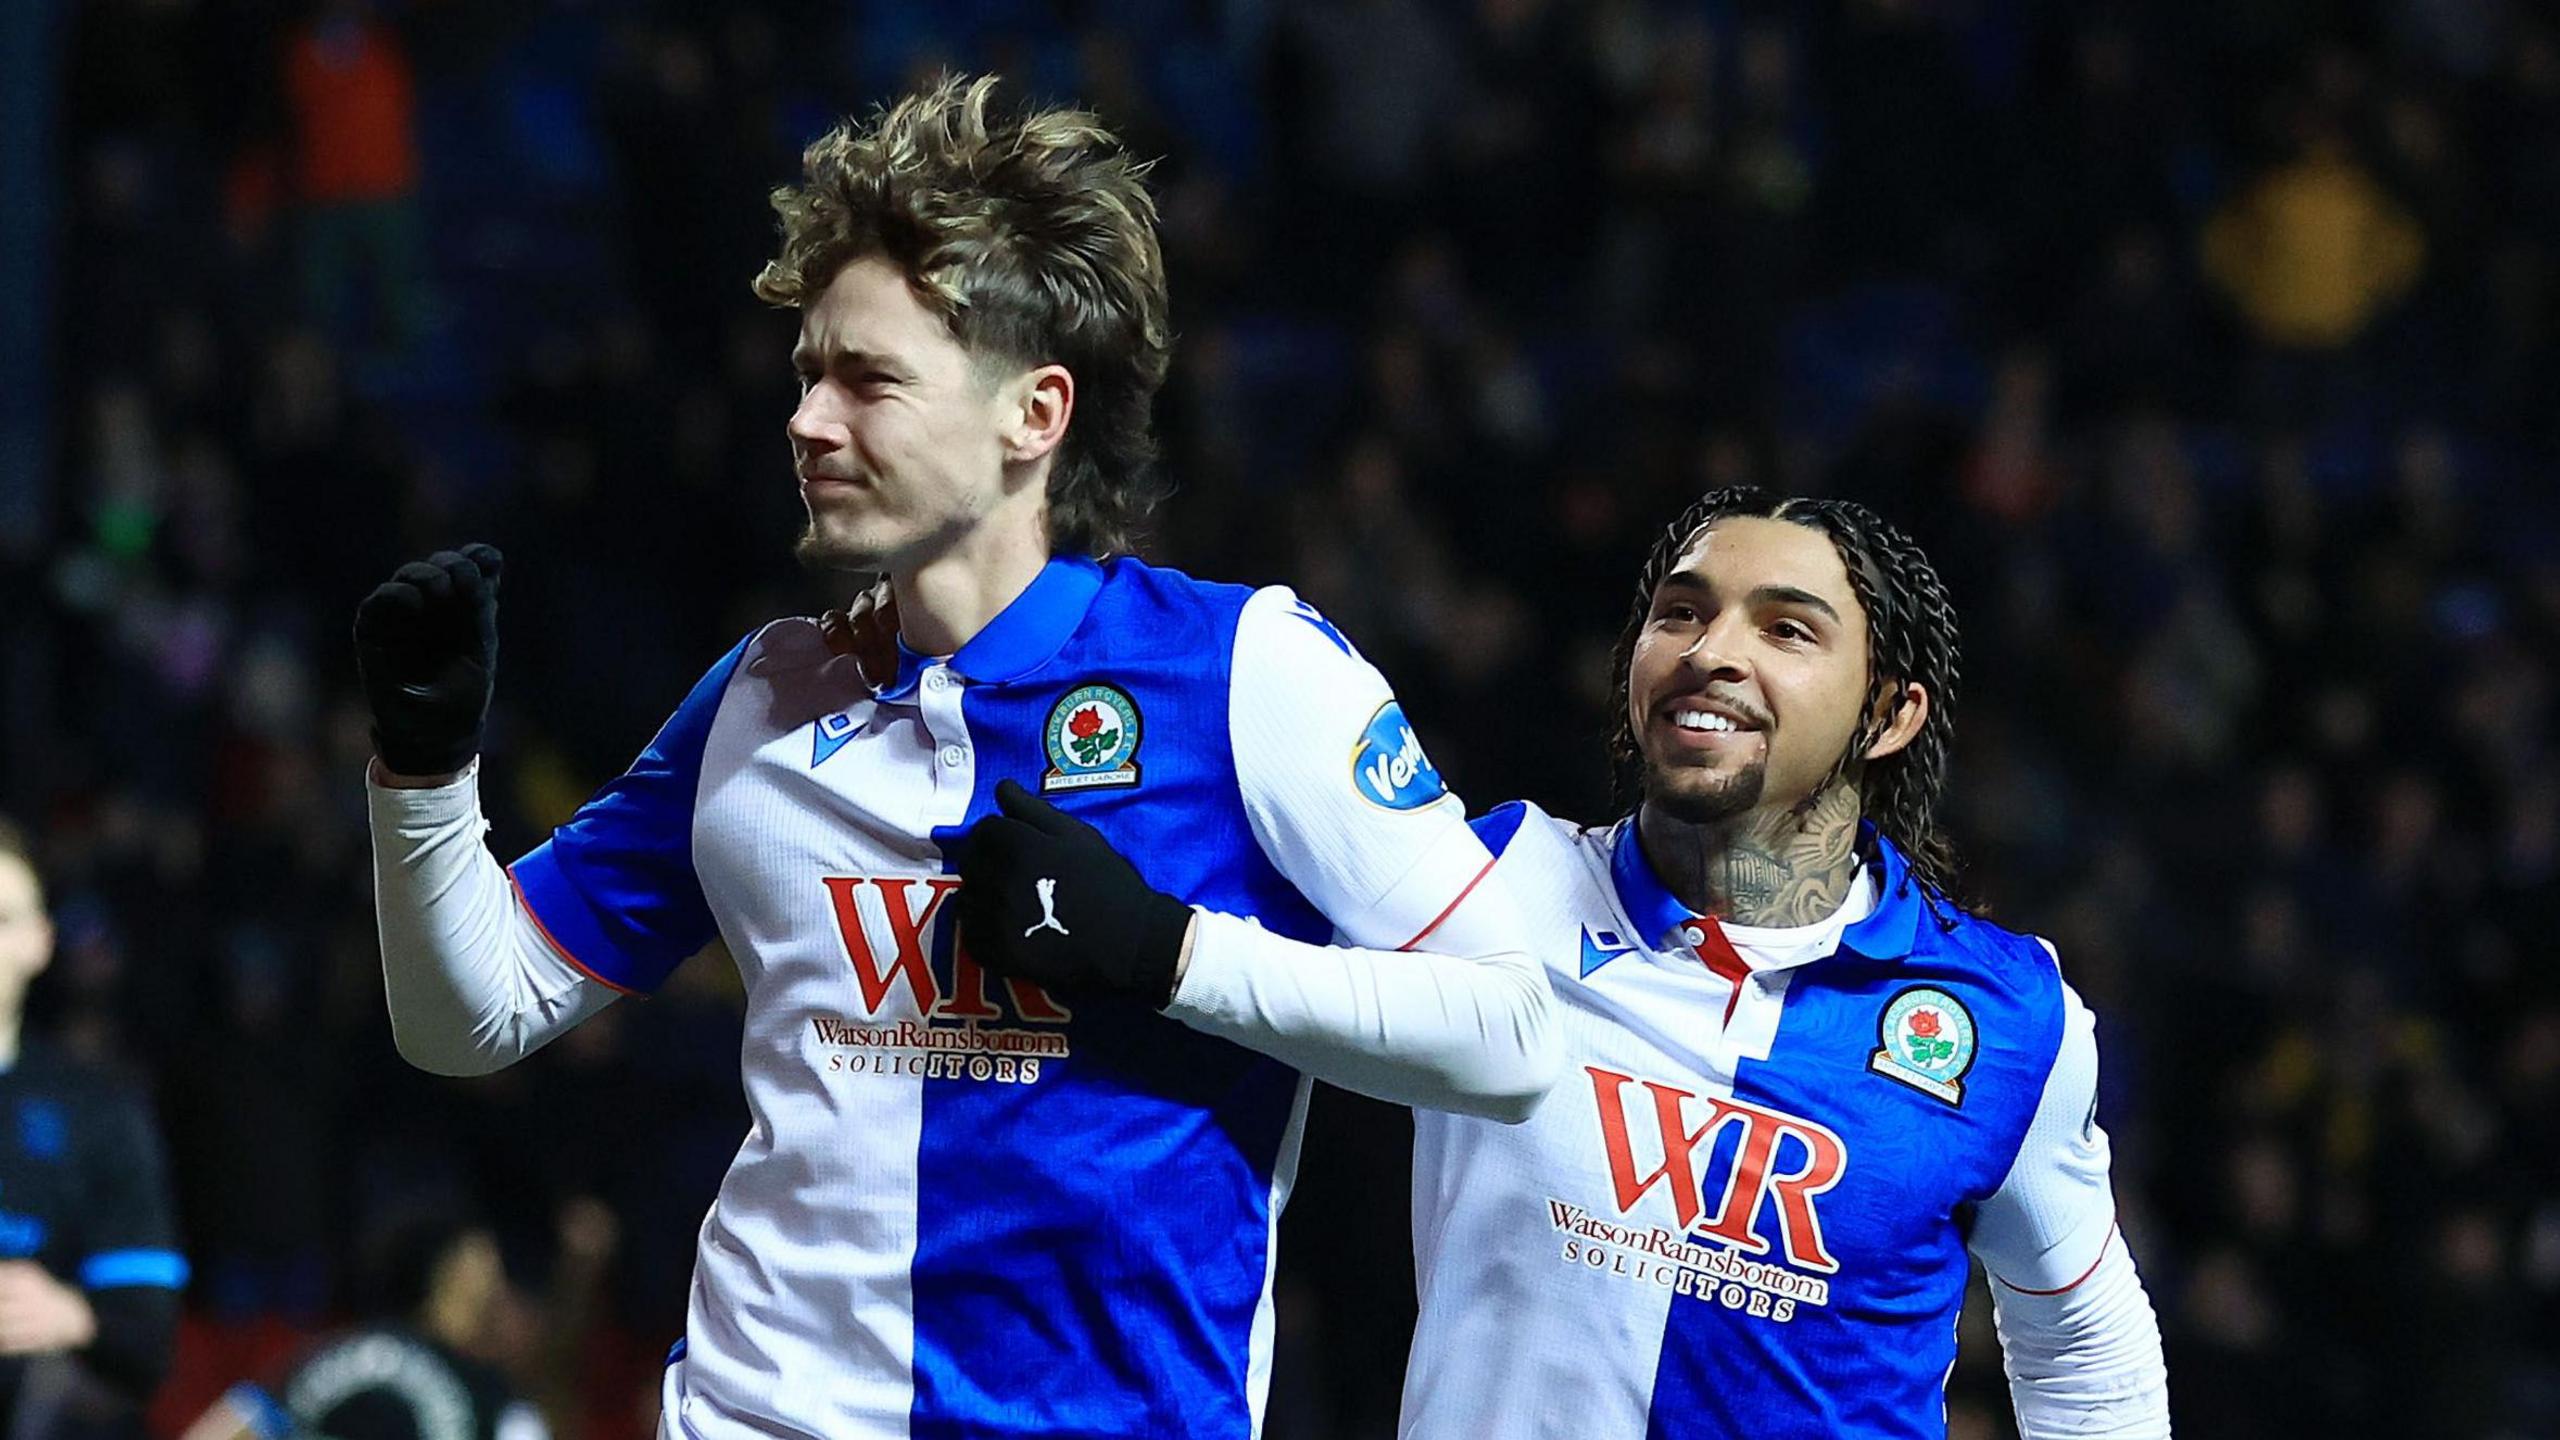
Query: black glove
x=427, y=647
x=1044, y=898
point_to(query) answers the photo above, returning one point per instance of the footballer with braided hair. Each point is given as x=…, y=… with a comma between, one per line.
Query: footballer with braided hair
x=1914, y=655
x=1804, y=1085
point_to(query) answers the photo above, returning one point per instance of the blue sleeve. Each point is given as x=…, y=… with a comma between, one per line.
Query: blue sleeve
x=615, y=889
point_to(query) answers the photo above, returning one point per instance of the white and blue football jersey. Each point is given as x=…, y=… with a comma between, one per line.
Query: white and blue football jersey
x=965, y=1207
x=1745, y=1209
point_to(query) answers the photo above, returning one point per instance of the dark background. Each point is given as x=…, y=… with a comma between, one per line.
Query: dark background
x=2207, y=344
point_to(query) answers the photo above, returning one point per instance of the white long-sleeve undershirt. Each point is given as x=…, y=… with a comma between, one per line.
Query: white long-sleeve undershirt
x=472, y=984
x=2085, y=1361
x=2077, y=1331
x=1470, y=1033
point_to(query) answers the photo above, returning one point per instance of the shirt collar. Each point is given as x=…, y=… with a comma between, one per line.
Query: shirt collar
x=1890, y=929
x=1649, y=904
x=1024, y=636
x=1885, y=934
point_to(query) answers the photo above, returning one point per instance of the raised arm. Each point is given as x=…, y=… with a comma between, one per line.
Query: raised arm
x=481, y=965
x=473, y=985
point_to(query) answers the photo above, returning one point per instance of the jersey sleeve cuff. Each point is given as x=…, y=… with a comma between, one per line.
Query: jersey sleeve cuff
x=411, y=806
x=573, y=929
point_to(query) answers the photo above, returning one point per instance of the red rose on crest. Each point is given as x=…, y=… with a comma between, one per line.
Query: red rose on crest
x=1085, y=722
x=1925, y=1024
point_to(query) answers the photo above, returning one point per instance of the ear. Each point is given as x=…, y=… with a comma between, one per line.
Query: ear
x=1903, y=714
x=1038, y=405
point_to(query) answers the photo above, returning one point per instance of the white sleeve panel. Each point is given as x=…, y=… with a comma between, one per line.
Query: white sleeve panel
x=1432, y=1000
x=2085, y=1361
x=1339, y=792
x=472, y=985
x=2050, y=1218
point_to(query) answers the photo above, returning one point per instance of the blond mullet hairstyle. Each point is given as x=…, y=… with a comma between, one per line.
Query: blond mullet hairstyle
x=1034, y=238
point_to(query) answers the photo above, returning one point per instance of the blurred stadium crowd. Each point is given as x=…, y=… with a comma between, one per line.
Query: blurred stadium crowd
x=2209, y=346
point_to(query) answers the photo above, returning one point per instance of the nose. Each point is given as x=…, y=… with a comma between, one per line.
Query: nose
x=811, y=429
x=1717, y=652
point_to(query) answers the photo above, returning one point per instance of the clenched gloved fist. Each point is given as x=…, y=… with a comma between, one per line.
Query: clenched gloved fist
x=427, y=647
x=1044, y=898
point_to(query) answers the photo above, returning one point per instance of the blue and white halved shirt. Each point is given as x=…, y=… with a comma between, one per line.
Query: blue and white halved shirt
x=1746, y=1208
x=965, y=1207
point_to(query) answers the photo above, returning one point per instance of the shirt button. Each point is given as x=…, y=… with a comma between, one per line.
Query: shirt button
x=938, y=680
x=1691, y=934
x=952, y=755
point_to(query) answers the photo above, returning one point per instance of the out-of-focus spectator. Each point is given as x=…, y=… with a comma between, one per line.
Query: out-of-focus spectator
x=355, y=124
x=416, y=1369
x=89, y=1270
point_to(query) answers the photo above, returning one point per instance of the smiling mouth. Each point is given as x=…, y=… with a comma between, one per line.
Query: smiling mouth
x=1695, y=716
x=1706, y=722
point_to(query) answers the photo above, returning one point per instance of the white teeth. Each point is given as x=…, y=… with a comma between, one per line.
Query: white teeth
x=1702, y=720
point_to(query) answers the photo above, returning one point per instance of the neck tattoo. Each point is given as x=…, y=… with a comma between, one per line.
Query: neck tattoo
x=1790, y=867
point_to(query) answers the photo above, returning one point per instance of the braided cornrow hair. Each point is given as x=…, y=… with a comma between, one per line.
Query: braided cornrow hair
x=1912, y=638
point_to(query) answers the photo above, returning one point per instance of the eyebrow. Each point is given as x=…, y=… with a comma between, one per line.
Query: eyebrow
x=1764, y=595
x=848, y=356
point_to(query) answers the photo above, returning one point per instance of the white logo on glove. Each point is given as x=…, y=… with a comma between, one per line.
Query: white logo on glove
x=1048, y=914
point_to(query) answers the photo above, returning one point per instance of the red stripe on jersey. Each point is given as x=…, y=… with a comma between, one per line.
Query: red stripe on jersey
x=1721, y=959
x=2085, y=1274
x=554, y=941
x=1452, y=906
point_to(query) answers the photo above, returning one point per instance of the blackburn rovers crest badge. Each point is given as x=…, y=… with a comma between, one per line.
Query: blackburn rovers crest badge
x=1092, y=740
x=1925, y=1039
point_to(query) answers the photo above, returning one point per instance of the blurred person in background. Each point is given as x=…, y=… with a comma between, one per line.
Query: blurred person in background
x=1042, y=1205
x=354, y=114
x=89, y=1269
x=416, y=1368
x=1808, y=1085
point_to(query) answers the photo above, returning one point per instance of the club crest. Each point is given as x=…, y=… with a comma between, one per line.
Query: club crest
x=1926, y=1040
x=1092, y=739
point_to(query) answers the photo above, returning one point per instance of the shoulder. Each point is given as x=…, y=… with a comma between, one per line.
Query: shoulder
x=1551, y=860
x=1132, y=586
x=1151, y=614
x=2013, y=959
x=792, y=643
x=2018, y=971
x=1264, y=616
x=1521, y=825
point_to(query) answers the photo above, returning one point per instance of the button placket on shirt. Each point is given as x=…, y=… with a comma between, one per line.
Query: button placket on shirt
x=954, y=773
